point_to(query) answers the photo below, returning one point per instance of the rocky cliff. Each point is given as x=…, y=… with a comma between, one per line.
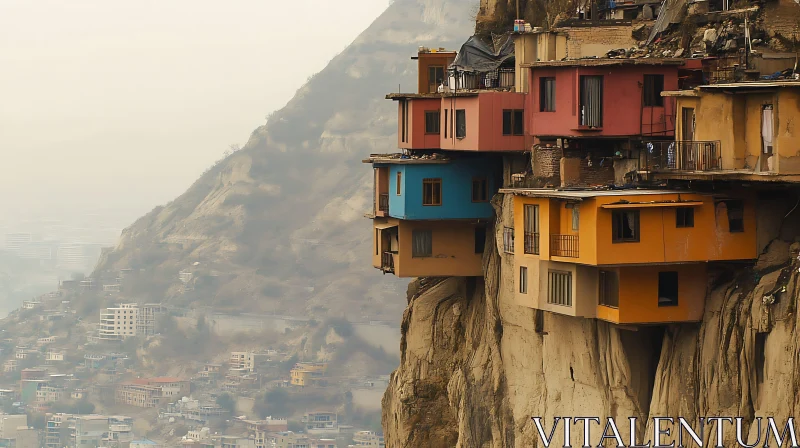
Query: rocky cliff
x=278, y=226
x=475, y=366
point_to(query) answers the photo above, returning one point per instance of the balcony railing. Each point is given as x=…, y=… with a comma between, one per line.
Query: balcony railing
x=387, y=262
x=508, y=240
x=531, y=243
x=383, y=202
x=564, y=246
x=682, y=155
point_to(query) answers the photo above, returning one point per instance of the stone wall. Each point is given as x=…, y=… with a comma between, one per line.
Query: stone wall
x=546, y=165
x=588, y=41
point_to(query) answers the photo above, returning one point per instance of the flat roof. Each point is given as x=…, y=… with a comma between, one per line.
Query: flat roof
x=679, y=93
x=753, y=85
x=596, y=62
x=397, y=158
x=417, y=96
x=582, y=194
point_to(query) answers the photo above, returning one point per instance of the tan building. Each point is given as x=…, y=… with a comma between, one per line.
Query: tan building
x=308, y=373
x=149, y=392
x=119, y=322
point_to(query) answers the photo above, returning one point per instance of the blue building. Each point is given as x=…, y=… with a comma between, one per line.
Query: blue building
x=435, y=188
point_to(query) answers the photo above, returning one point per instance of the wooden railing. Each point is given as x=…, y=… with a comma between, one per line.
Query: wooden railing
x=564, y=246
x=387, y=262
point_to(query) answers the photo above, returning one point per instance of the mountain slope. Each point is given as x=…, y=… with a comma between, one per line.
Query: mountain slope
x=278, y=226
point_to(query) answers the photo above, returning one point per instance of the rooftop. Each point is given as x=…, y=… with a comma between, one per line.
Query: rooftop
x=398, y=158
x=753, y=85
x=585, y=194
x=597, y=62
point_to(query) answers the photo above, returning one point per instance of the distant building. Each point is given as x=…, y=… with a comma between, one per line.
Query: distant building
x=146, y=443
x=149, y=392
x=321, y=422
x=118, y=322
x=308, y=373
x=147, y=318
x=245, y=361
x=367, y=439
x=54, y=356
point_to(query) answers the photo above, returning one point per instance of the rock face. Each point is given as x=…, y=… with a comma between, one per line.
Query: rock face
x=278, y=226
x=475, y=366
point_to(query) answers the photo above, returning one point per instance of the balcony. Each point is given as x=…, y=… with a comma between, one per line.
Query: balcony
x=532, y=243
x=383, y=202
x=682, y=155
x=564, y=246
x=387, y=262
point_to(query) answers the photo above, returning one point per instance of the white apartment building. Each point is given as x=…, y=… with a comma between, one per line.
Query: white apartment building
x=118, y=322
x=243, y=361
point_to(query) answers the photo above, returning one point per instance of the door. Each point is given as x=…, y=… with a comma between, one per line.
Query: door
x=767, y=127
x=686, y=155
x=591, y=107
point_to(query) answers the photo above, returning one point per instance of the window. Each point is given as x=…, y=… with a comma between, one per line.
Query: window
x=508, y=240
x=653, y=86
x=480, y=239
x=668, y=288
x=735, y=216
x=576, y=217
x=559, y=288
x=531, y=221
x=609, y=289
x=513, y=122
x=399, y=182
x=684, y=217
x=625, y=226
x=435, y=77
x=377, y=239
x=461, y=123
x=431, y=191
x=547, y=94
x=480, y=189
x=591, y=101
x=421, y=243
x=403, y=121
x=446, y=124
x=523, y=280
x=431, y=121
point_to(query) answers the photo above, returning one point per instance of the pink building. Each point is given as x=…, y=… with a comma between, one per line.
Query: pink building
x=591, y=98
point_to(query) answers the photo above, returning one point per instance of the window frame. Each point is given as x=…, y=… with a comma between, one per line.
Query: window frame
x=564, y=285
x=652, y=86
x=544, y=99
x=433, y=181
x=433, y=85
x=740, y=209
x=670, y=302
x=437, y=122
x=523, y=279
x=512, y=118
x=415, y=233
x=637, y=226
x=484, y=186
x=446, y=124
x=604, y=288
x=687, y=220
x=399, y=184
x=461, y=124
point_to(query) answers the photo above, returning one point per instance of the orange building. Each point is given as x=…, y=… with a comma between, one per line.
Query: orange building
x=429, y=248
x=625, y=256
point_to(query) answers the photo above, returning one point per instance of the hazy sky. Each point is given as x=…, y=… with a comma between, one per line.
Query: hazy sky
x=113, y=104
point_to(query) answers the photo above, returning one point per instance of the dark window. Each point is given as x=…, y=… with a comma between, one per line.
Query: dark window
x=435, y=77
x=480, y=239
x=461, y=123
x=403, y=121
x=421, y=243
x=684, y=217
x=591, y=101
x=625, y=226
x=735, y=216
x=668, y=288
x=653, y=86
x=446, y=124
x=431, y=191
x=508, y=240
x=513, y=122
x=399, y=181
x=531, y=223
x=547, y=94
x=523, y=280
x=480, y=189
x=431, y=121
x=609, y=288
